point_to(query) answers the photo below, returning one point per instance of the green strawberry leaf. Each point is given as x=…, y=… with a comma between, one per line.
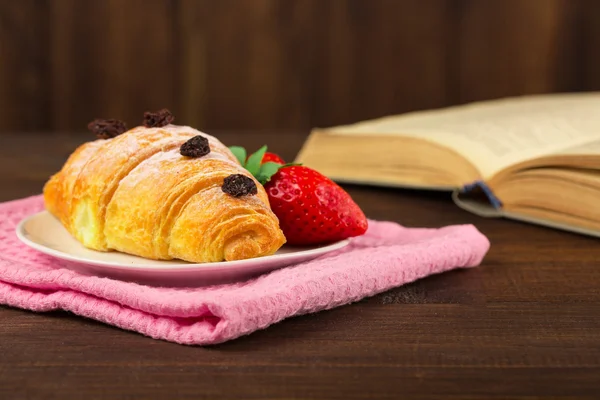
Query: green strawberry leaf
x=253, y=164
x=239, y=153
x=267, y=170
x=262, y=172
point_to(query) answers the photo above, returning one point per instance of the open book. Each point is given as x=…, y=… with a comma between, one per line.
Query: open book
x=535, y=158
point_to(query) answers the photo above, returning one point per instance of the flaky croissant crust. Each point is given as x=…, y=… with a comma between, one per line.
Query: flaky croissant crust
x=137, y=194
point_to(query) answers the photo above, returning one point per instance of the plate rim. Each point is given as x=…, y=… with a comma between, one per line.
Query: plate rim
x=174, y=265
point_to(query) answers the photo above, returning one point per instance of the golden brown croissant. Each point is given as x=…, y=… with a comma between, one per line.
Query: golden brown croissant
x=136, y=193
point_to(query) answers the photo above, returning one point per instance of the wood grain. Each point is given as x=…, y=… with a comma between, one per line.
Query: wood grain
x=24, y=65
x=250, y=61
x=192, y=70
x=111, y=59
x=590, y=31
x=514, y=47
x=523, y=325
x=381, y=57
x=294, y=64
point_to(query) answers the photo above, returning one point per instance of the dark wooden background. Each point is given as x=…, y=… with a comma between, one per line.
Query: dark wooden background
x=282, y=64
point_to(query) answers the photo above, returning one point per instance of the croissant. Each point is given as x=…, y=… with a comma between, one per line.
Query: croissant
x=137, y=193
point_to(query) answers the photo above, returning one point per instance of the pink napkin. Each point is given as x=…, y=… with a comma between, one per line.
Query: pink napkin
x=387, y=256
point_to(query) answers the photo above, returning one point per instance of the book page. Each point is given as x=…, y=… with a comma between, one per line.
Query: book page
x=590, y=148
x=496, y=134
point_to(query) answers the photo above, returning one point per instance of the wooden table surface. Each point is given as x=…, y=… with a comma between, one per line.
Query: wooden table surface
x=525, y=324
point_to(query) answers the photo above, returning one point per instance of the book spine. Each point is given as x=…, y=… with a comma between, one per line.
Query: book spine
x=494, y=201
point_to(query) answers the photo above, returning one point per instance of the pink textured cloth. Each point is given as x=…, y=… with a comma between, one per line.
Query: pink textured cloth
x=387, y=256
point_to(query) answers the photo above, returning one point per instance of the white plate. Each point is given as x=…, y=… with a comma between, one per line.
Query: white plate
x=44, y=233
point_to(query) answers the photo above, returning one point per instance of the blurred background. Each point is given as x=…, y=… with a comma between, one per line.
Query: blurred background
x=282, y=64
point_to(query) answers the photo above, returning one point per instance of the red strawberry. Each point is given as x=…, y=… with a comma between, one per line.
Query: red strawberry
x=272, y=157
x=311, y=208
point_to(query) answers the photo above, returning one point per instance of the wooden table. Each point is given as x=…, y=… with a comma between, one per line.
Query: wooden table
x=524, y=324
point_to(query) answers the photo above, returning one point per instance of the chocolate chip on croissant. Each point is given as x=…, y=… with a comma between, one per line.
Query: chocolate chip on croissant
x=107, y=128
x=158, y=119
x=238, y=185
x=197, y=146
